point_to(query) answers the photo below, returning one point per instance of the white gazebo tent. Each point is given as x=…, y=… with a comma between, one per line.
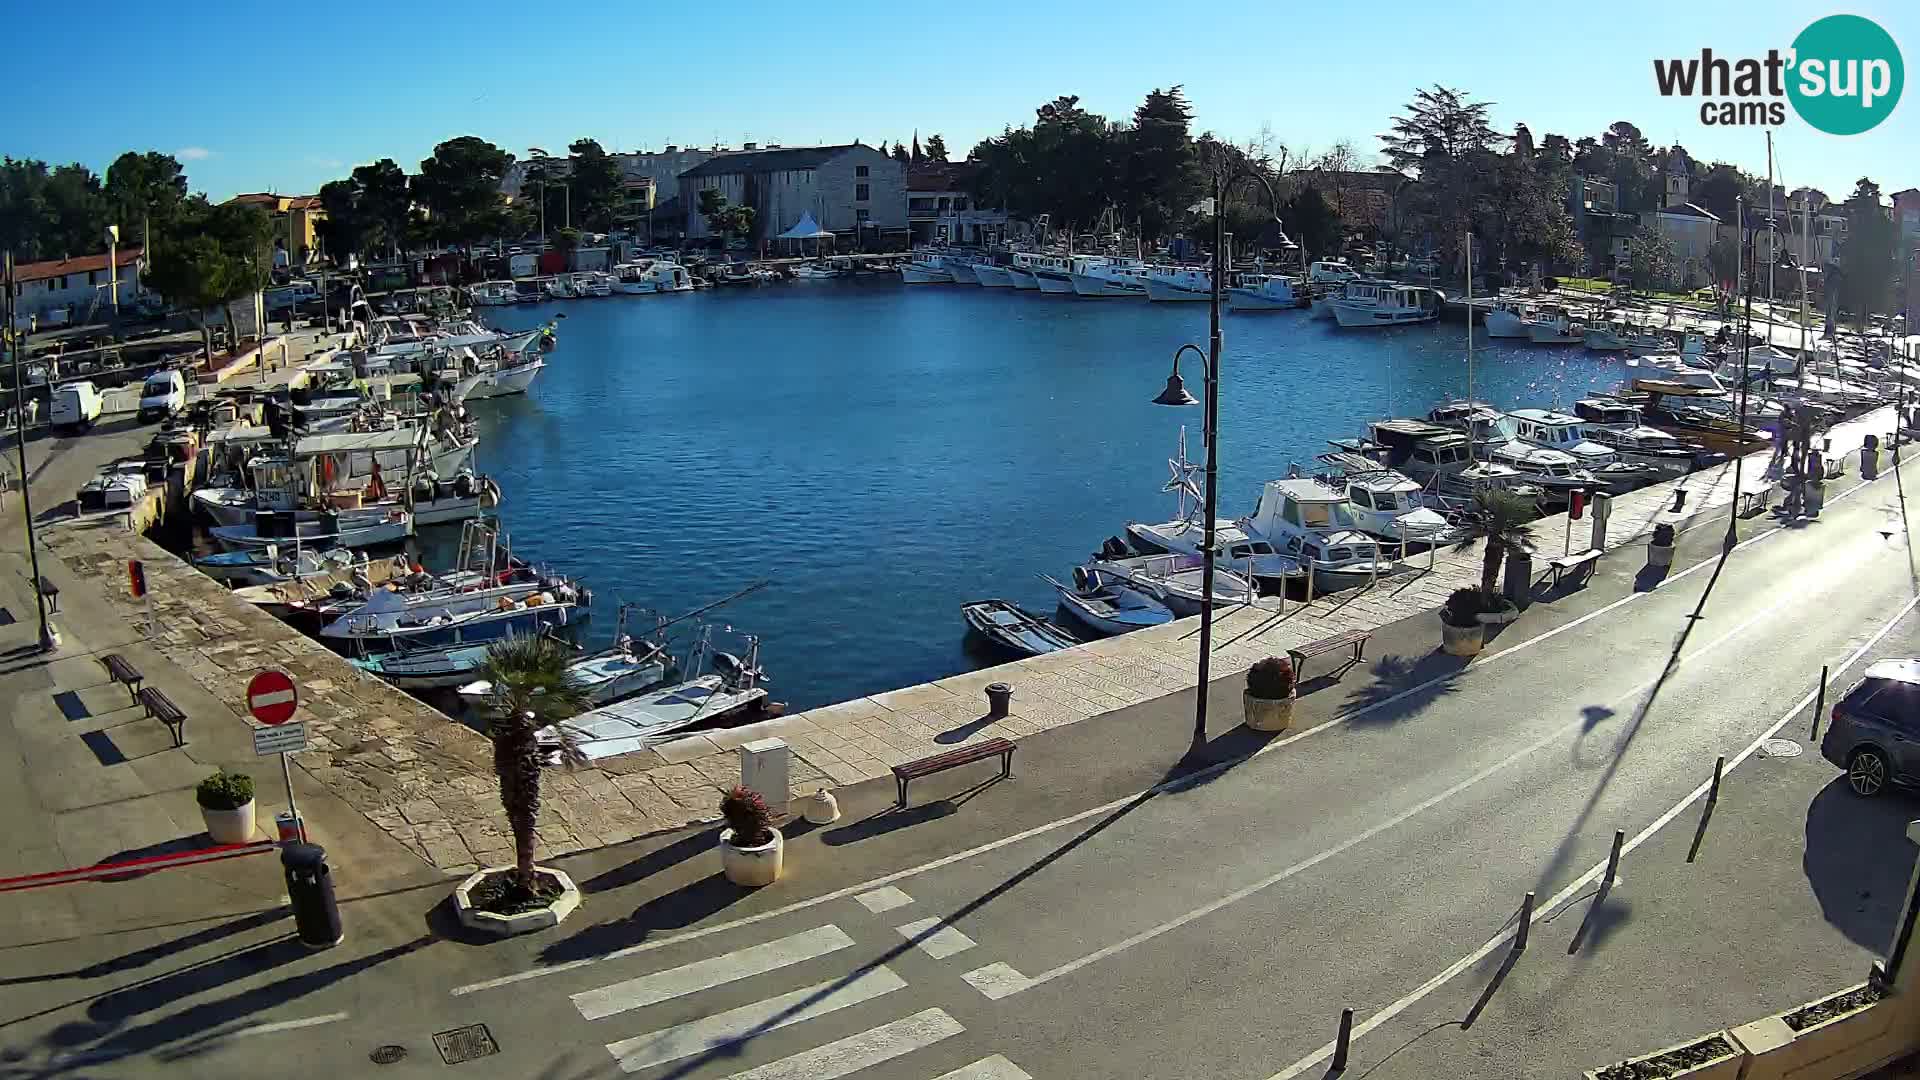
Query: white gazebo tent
x=808, y=229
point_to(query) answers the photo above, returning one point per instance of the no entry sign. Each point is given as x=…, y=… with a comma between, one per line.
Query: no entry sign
x=271, y=697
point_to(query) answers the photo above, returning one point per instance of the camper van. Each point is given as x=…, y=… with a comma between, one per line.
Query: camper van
x=76, y=405
x=164, y=394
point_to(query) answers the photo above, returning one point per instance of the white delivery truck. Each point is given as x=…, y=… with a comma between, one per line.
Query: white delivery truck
x=164, y=394
x=76, y=405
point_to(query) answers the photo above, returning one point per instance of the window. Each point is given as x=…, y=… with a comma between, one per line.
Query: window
x=860, y=193
x=959, y=204
x=860, y=170
x=860, y=216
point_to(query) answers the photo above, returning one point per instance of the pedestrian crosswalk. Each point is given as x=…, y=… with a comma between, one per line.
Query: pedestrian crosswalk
x=723, y=1040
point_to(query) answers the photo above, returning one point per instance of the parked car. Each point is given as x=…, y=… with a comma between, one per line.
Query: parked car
x=162, y=395
x=76, y=405
x=1875, y=730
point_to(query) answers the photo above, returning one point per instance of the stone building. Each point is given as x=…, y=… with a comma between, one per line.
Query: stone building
x=851, y=190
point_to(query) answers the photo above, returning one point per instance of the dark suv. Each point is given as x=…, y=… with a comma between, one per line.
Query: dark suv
x=1875, y=731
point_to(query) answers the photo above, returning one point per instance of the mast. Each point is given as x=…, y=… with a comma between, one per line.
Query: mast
x=1772, y=257
x=1469, y=238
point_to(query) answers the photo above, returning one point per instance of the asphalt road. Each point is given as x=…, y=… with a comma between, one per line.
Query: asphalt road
x=1212, y=928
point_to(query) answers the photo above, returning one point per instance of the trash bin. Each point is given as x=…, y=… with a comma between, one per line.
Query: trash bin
x=316, y=915
x=1519, y=578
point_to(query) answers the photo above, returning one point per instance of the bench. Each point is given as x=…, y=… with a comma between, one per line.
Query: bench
x=927, y=766
x=1353, y=639
x=1574, y=564
x=122, y=671
x=52, y=592
x=1752, y=502
x=161, y=707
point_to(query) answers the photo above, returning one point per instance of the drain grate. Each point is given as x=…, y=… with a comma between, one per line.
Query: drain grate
x=465, y=1043
x=1779, y=748
x=388, y=1054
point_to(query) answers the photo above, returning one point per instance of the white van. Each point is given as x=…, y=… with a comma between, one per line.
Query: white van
x=1332, y=271
x=164, y=394
x=76, y=405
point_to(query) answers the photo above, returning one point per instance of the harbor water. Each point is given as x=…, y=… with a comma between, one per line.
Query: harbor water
x=884, y=453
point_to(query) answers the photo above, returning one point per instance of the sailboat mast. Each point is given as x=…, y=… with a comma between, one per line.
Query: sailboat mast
x=1469, y=239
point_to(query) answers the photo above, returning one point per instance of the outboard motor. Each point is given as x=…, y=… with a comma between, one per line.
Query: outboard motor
x=463, y=485
x=1080, y=580
x=1114, y=548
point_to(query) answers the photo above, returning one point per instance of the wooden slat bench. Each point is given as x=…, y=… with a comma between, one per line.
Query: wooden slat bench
x=1752, y=502
x=122, y=671
x=927, y=766
x=161, y=707
x=52, y=592
x=1351, y=639
x=1574, y=564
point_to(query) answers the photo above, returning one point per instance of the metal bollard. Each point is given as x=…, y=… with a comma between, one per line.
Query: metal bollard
x=316, y=915
x=1819, y=705
x=999, y=698
x=1526, y=923
x=1345, y=1040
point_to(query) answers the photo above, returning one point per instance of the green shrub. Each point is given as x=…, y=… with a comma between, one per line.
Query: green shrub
x=225, y=790
x=1463, y=608
x=1271, y=679
x=747, y=815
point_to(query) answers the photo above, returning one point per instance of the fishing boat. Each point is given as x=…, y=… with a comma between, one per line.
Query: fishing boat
x=1560, y=431
x=1175, y=580
x=331, y=528
x=1266, y=292
x=1551, y=324
x=498, y=373
x=388, y=622
x=1508, y=319
x=1365, y=303
x=1020, y=270
x=990, y=275
x=1008, y=626
x=1107, y=605
x=1179, y=284
x=612, y=674
x=1607, y=337
x=1054, y=274
x=925, y=268
x=1110, y=278
x=425, y=669
x=658, y=716
x=961, y=268
x=492, y=293
x=259, y=566
x=650, y=277
x=1311, y=521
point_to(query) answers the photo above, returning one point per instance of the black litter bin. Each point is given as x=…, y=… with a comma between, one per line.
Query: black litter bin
x=316, y=915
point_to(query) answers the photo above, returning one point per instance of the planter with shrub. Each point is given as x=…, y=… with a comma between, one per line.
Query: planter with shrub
x=1712, y=1058
x=1660, y=549
x=1269, y=695
x=750, y=847
x=1496, y=610
x=1460, y=631
x=226, y=805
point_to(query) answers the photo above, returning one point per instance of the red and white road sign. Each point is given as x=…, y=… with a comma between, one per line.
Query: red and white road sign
x=271, y=697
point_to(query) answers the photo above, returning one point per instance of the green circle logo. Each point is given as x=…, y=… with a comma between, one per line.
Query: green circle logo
x=1846, y=74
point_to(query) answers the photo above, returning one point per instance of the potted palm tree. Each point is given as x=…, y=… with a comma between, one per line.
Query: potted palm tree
x=1269, y=696
x=1503, y=519
x=532, y=692
x=226, y=806
x=751, y=849
x=1461, y=633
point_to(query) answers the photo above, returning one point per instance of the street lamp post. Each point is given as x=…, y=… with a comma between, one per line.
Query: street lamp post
x=49, y=636
x=113, y=269
x=1176, y=394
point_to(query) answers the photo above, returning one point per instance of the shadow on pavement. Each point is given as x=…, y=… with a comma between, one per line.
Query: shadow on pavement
x=1858, y=861
x=890, y=819
x=652, y=862
x=140, y=958
x=670, y=911
x=1394, y=676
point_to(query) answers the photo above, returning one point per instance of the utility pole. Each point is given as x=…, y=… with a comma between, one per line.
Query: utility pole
x=49, y=637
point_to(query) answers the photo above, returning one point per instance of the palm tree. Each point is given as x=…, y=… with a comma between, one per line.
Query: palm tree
x=1504, y=519
x=532, y=689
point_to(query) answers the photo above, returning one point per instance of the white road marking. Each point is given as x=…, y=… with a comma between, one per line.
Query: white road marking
x=1579, y=884
x=935, y=939
x=880, y=900
x=711, y=972
x=747, y=1021
x=287, y=1025
x=997, y=981
x=1105, y=808
x=987, y=1068
x=1396, y=820
x=855, y=1052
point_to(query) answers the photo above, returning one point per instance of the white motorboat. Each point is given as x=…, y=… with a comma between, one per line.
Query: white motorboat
x=1365, y=303
x=1108, y=605
x=1020, y=270
x=1567, y=434
x=1179, y=284
x=1508, y=319
x=1555, y=472
x=1254, y=558
x=1483, y=476
x=493, y=293
x=1266, y=292
x=1477, y=420
x=1311, y=521
x=1675, y=369
x=1099, y=278
x=596, y=283
x=653, y=276
x=1551, y=324
x=961, y=267
x=1054, y=274
x=610, y=675
x=821, y=271
x=1391, y=506
x=925, y=268
x=256, y=566
x=657, y=716
x=389, y=622
x=1172, y=579
x=990, y=275
x=502, y=376
x=332, y=528
x=1607, y=337
x=1617, y=424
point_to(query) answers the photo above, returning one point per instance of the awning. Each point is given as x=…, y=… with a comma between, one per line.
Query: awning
x=806, y=229
x=360, y=442
x=239, y=433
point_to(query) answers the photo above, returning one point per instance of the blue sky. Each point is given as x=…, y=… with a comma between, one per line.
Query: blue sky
x=285, y=98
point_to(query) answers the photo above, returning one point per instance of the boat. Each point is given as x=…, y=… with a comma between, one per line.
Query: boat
x=1020, y=270
x=961, y=268
x=258, y=566
x=821, y=271
x=1365, y=303
x=1391, y=506
x=1508, y=319
x=1179, y=284
x=1617, y=424
x=499, y=375
x=1266, y=292
x=1567, y=434
x=660, y=715
x=1551, y=324
x=425, y=669
x=925, y=268
x=493, y=293
x=331, y=528
x=388, y=622
x=1311, y=521
x=1109, y=278
x=1254, y=558
x=652, y=276
x=626, y=668
x=1674, y=408
x=1332, y=272
x=289, y=600
x=1108, y=605
x=1013, y=628
x=1554, y=472
x=1174, y=579
x=990, y=275
x=1477, y=420
x=1607, y=337
x=1054, y=274
x=1461, y=488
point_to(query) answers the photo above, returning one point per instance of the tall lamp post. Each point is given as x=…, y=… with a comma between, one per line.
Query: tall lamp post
x=1176, y=394
x=113, y=269
x=16, y=344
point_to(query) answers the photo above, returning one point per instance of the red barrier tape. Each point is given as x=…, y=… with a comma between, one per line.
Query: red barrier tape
x=140, y=865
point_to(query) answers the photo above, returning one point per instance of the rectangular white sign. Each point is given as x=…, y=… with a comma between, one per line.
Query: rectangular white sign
x=284, y=739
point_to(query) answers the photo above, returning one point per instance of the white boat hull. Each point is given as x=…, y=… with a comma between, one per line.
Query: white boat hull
x=1255, y=300
x=1021, y=279
x=1055, y=283
x=1502, y=323
x=914, y=274
x=1095, y=286
x=1357, y=315
x=993, y=277
x=1603, y=341
x=1165, y=292
x=493, y=384
x=1553, y=335
x=242, y=537
x=962, y=273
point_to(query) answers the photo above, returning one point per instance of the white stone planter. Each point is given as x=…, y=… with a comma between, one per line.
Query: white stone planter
x=1659, y=555
x=229, y=826
x=1268, y=714
x=1725, y=1067
x=525, y=922
x=820, y=808
x=1462, y=640
x=751, y=866
x=1499, y=618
